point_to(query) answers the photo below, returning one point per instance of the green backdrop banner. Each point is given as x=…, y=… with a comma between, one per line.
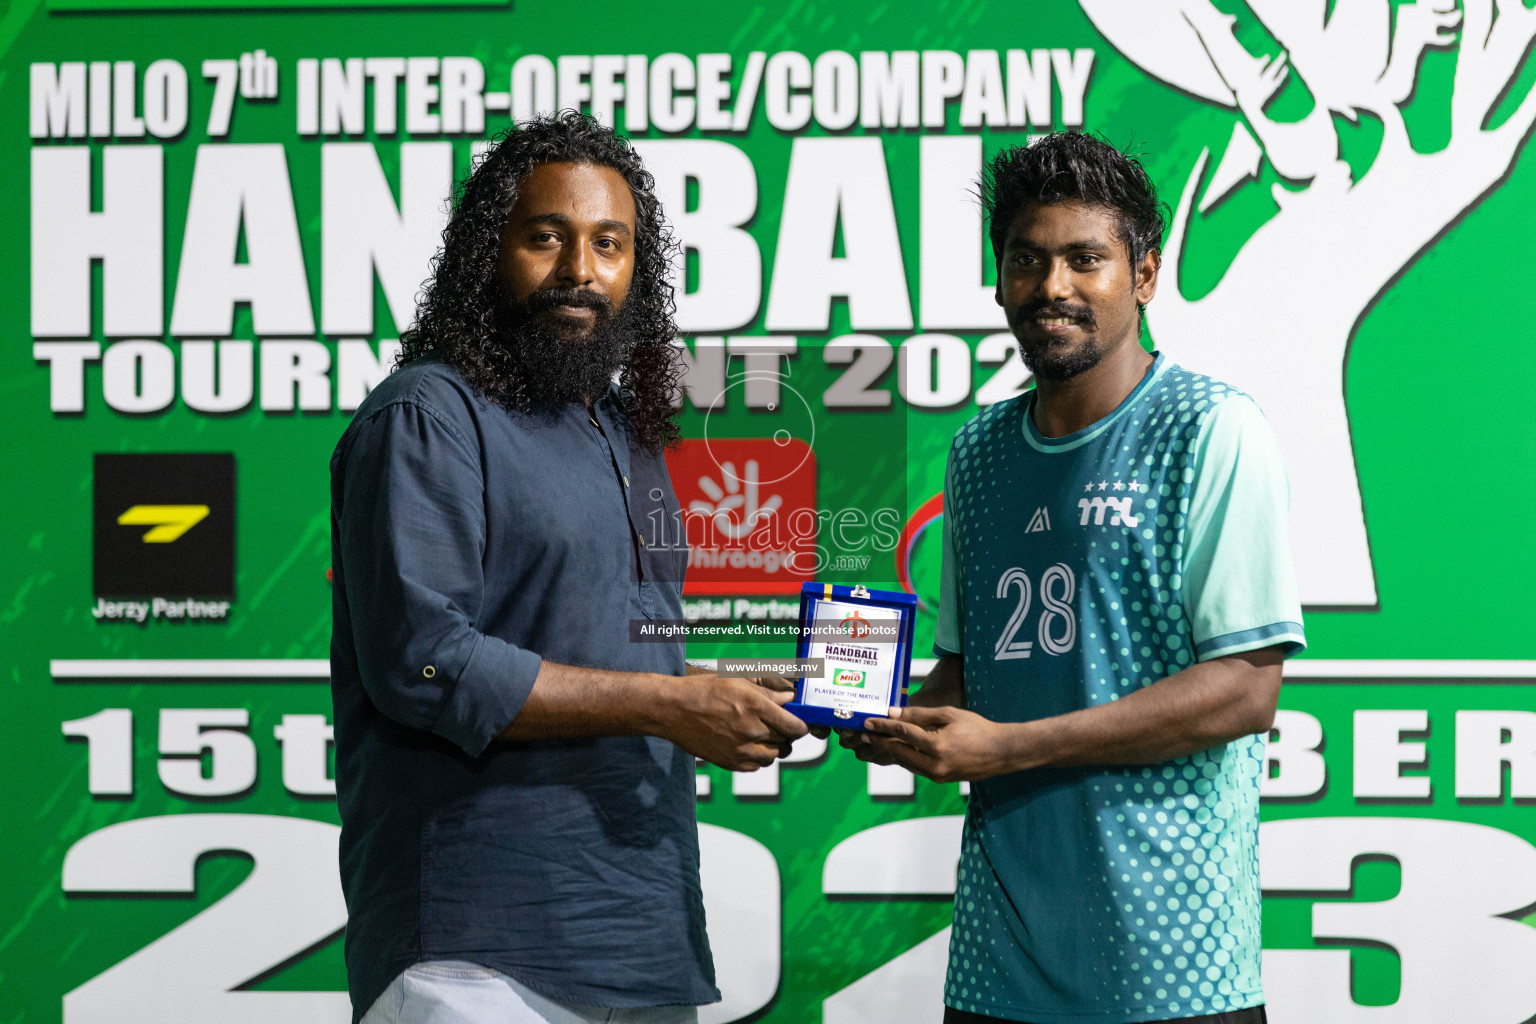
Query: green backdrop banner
x=218, y=219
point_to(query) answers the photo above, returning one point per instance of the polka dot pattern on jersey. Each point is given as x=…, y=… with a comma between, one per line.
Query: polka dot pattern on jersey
x=1111, y=895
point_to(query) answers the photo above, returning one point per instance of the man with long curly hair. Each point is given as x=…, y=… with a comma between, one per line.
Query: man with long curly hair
x=515, y=772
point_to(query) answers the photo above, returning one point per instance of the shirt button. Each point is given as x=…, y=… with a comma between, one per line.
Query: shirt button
x=429, y=671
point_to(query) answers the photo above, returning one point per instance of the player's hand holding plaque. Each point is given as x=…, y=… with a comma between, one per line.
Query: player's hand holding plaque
x=864, y=640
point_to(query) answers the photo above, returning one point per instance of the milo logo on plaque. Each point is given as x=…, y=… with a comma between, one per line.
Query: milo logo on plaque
x=849, y=677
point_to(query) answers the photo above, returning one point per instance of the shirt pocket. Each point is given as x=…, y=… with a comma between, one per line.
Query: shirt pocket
x=652, y=600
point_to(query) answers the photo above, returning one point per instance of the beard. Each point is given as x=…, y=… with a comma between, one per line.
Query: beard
x=555, y=364
x=1055, y=359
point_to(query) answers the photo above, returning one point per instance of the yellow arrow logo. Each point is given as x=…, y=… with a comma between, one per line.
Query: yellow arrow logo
x=169, y=521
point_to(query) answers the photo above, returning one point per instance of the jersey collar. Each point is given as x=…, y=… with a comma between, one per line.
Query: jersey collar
x=1051, y=445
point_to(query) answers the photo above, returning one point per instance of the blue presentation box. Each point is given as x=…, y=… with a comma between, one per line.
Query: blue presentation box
x=865, y=639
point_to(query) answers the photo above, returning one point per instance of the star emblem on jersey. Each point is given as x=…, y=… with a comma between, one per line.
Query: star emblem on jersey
x=1118, y=485
x=1039, y=522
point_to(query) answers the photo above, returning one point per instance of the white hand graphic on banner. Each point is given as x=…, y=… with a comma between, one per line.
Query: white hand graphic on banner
x=1280, y=322
x=734, y=509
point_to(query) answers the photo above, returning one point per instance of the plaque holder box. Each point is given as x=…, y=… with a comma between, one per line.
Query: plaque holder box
x=819, y=702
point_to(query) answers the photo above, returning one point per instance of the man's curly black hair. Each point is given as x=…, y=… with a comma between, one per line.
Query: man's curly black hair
x=1074, y=167
x=457, y=318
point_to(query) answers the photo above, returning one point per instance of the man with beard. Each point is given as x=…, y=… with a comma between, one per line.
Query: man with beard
x=515, y=776
x=1117, y=599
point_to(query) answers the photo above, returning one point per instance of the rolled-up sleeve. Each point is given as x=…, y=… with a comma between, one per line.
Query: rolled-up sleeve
x=410, y=507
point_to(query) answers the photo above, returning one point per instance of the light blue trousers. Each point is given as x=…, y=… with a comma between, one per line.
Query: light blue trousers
x=457, y=992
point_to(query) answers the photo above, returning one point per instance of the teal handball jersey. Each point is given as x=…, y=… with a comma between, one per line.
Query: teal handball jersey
x=1076, y=570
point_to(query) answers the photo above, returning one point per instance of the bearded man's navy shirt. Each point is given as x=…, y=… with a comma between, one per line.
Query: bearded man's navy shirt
x=469, y=543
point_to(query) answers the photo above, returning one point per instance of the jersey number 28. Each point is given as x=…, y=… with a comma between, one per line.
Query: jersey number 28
x=1057, y=628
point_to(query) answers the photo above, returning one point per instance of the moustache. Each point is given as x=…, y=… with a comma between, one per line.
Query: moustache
x=548, y=298
x=1056, y=311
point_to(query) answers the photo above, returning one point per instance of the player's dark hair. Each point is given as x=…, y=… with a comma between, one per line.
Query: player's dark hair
x=1074, y=167
x=457, y=316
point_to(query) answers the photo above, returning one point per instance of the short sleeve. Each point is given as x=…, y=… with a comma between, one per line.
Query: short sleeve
x=409, y=503
x=1239, y=582
x=947, y=635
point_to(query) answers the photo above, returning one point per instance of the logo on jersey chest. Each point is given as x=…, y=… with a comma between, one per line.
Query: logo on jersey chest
x=1116, y=506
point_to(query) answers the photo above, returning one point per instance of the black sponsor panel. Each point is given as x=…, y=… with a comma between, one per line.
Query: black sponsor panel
x=164, y=525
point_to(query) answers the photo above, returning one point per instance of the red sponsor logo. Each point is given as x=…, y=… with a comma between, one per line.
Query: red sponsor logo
x=748, y=513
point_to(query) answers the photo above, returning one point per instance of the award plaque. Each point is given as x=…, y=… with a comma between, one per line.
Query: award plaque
x=864, y=640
